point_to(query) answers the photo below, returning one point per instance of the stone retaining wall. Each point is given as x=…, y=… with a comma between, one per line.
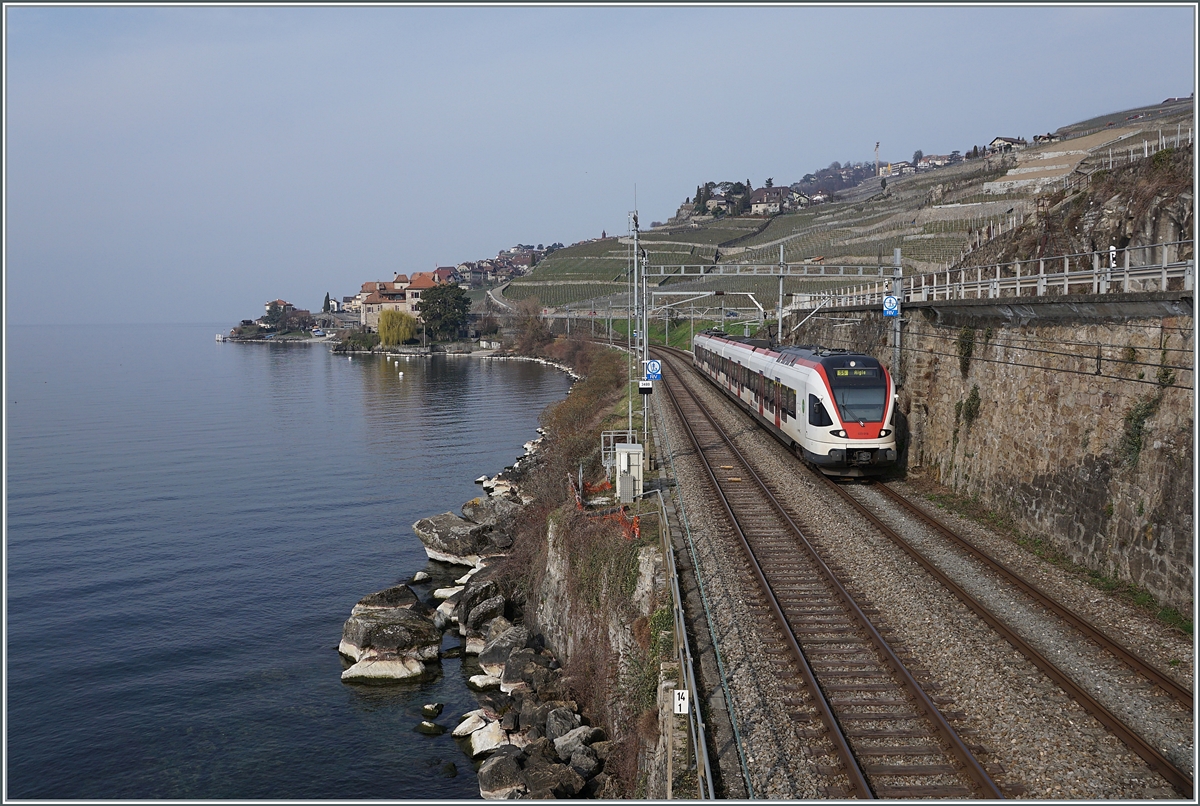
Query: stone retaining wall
x=1099, y=466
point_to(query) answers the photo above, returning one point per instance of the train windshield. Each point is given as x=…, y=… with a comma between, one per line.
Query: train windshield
x=860, y=392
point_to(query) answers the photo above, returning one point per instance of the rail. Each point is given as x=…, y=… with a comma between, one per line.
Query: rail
x=1080, y=273
x=737, y=737
x=683, y=654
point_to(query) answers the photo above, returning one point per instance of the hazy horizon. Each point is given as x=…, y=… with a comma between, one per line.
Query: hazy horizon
x=186, y=164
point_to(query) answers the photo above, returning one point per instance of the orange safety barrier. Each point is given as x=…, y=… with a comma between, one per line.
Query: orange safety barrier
x=630, y=527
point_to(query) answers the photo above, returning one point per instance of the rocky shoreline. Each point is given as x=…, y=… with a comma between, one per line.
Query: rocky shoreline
x=527, y=733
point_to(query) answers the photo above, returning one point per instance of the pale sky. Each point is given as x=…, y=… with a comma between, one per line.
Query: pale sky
x=187, y=164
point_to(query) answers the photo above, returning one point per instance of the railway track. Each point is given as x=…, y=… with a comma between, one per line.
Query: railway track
x=1178, y=778
x=1157, y=761
x=881, y=733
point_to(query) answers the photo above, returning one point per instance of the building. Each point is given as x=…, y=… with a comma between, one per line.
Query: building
x=1006, y=144
x=378, y=296
x=772, y=200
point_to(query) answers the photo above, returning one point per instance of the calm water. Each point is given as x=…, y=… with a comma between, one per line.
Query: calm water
x=189, y=524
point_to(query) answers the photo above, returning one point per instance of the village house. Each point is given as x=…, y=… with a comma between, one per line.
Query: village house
x=768, y=201
x=717, y=202
x=378, y=296
x=1006, y=144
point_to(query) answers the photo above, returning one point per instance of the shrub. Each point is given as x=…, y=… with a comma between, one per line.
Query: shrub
x=966, y=348
x=970, y=409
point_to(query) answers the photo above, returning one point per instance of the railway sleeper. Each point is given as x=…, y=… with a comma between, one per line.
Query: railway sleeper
x=926, y=791
x=900, y=750
x=910, y=769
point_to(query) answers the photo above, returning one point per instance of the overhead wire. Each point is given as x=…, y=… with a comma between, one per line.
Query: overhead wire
x=1080, y=355
x=1150, y=382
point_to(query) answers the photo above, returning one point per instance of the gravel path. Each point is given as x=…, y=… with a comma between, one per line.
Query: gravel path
x=1043, y=740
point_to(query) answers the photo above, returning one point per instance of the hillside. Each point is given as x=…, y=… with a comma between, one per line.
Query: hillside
x=937, y=218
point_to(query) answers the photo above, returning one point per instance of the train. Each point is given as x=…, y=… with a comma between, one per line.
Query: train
x=835, y=408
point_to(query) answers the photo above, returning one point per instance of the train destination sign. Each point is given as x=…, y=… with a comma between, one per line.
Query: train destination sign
x=860, y=372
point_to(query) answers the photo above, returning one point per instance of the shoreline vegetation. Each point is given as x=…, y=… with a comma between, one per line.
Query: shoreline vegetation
x=541, y=728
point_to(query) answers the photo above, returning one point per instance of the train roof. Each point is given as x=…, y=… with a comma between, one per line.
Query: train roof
x=762, y=344
x=815, y=353
x=825, y=356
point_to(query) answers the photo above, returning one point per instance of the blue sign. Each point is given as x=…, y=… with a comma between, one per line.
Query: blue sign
x=653, y=370
x=891, y=306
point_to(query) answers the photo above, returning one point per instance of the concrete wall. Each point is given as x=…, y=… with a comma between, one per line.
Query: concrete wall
x=1053, y=444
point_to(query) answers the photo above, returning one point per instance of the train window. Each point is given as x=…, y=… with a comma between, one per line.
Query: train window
x=816, y=412
x=860, y=398
x=789, y=402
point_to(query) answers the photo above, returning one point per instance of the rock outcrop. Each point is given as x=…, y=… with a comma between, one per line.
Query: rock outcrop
x=389, y=636
x=483, y=530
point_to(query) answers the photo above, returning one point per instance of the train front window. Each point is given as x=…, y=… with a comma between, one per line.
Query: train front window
x=860, y=393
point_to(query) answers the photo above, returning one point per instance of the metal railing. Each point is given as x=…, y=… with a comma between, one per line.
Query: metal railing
x=1131, y=270
x=683, y=655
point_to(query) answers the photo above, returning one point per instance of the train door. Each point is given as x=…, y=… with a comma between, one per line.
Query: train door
x=778, y=401
x=761, y=392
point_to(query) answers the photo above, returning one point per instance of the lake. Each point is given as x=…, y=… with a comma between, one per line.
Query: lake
x=189, y=524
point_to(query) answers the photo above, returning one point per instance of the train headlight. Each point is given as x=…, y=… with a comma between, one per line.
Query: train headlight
x=838, y=433
x=885, y=432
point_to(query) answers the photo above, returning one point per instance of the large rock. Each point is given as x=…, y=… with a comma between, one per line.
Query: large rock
x=500, y=777
x=477, y=590
x=585, y=762
x=572, y=740
x=452, y=539
x=400, y=596
x=487, y=738
x=380, y=670
x=534, y=713
x=395, y=640
x=560, y=779
x=560, y=722
x=495, y=653
x=484, y=612
x=472, y=723
x=493, y=511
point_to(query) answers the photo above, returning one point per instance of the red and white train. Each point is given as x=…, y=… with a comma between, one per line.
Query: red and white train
x=834, y=407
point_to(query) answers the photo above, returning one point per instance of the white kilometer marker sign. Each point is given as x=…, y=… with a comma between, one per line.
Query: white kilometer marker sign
x=681, y=701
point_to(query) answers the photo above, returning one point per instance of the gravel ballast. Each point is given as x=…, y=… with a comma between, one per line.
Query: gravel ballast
x=1046, y=744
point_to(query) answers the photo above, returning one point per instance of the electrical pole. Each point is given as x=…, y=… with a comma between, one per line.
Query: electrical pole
x=779, y=310
x=898, y=293
x=645, y=355
x=629, y=321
